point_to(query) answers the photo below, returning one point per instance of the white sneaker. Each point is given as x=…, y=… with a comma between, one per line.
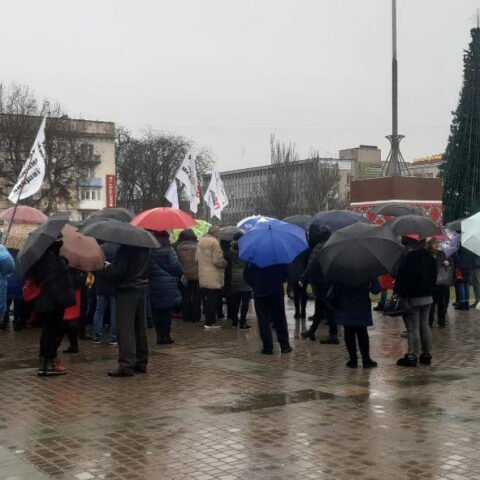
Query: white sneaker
x=211, y=327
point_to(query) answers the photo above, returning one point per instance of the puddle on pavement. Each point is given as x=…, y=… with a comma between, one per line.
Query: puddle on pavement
x=268, y=400
x=431, y=379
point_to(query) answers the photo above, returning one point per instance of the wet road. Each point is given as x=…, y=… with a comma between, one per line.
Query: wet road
x=211, y=407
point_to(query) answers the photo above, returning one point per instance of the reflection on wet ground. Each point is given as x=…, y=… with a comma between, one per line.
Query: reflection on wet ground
x=211, y=407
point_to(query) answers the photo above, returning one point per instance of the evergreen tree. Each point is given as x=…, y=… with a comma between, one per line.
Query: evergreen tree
x=461, y=170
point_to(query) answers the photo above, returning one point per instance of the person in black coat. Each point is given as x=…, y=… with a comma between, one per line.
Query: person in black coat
x=269, y=300
x=129, y=273
x=165, y=272
x=415, y=280
x=465, y=261
x=295, y=272
x=56, y=294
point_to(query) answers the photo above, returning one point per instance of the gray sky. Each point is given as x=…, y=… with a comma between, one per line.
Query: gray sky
x=227, y=73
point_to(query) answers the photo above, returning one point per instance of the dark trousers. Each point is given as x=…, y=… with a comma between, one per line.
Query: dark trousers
x=300, y=299
x=132, y=329
x=162, y=319
x=440, y=298
x=20, y=312
x=240, y=304
x=360, y=334
x=69, y=329
x=191, y=300
x=322, y=312
x=271, y=309
x=211, y=304
x=51, y=331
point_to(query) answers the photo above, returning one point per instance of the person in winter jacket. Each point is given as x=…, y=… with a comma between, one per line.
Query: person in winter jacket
x=269, y=300
x=299, y=289
x=165, y=271
x=211, y=272
x=241, y=292
x=129, y=272
x=14, y=295
x=51, y=274
x=353, y=310
x=415, y=280
x=191, y=298
x=226, y=291
x=313, y=274
x=464, y=266
x=105, y=299
x=441, y=292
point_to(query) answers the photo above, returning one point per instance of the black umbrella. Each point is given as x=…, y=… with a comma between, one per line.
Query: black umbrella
x=39, y=241
x=299, y=220
x=120, y=232
x=360, y=253
x=414, y=225
x=396, y=210
x=120, y=214
x=455, y=225
x=227, y=233
x=336, y=219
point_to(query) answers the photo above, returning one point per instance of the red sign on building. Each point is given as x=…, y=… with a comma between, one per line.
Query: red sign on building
x=111, y=191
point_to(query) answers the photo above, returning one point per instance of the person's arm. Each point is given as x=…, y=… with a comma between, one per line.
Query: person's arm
x=217, y=254
x=305, y=276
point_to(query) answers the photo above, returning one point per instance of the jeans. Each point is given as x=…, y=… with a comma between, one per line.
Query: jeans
x=102, y=303
x=51, y=332
x=419, y=334
x=191, y=300
x=240, y=303
x=271, y=309
x=300, y=299
x=131, y=329
x=475, y=279
x=463, y=289
x=162, y=319
x=211, y=304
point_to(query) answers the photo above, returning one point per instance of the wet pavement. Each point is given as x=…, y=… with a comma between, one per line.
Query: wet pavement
x=211, y=407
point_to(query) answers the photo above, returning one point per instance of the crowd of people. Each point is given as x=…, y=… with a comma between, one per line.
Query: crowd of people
x=139, y=287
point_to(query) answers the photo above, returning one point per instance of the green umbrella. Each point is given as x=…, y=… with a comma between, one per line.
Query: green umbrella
x=200, y=229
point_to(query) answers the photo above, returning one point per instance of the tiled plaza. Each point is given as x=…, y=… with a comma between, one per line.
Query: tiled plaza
x=212, y=408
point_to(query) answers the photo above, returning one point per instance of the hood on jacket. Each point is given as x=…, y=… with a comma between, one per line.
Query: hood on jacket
x=318, y=234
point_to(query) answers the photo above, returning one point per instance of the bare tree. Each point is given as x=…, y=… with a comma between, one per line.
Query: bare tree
x=20, y=117
x=276, y=195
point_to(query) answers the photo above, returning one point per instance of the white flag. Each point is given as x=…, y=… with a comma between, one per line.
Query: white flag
x=183, y=176
x=33, y=171
x=194, y=186
x=172, y=194
x=215, y=195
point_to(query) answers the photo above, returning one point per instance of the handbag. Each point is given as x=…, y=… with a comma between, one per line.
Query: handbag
x=397, y=307
x=31, y=290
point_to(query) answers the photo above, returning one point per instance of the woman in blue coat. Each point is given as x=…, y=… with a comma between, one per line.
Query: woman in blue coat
x=353, y=310
x=165, y=272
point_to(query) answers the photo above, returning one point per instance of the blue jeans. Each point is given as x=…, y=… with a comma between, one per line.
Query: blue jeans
x=102, y=302
x=463, y=292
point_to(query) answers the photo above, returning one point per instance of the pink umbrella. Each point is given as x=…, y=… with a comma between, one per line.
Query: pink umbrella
x=24, y=214
x=163, y=218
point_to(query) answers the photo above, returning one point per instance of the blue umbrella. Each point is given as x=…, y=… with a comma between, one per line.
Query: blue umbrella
x=337, y=219
x=272, y=242
x=248, y=223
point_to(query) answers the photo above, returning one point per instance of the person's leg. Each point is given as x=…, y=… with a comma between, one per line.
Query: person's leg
x=187, y=302
x=245, y=297
x=475, y=279
x=51, y=334
x=351, y=344
x=364, y=345
x=6, y=316
x=98, y=318
x=413, y=338
x=277, y=308
x=320, y=314
x=236, y=298
x=434, y=304
x=19, y=314
x=425, y=335
x=71, y=327
x=212, y=302
x=263, y=320
x=126, y=312
x=383, y=300
x=442, y=305
x=303, y=302
x=163, y=325
x=463, y=295
x=296, y=299
x=196, y=300
x=140, y=332
x=113, y=319
x=332, y=328
x=219, y=305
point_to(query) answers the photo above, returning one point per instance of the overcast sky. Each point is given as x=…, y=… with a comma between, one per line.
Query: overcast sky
x=228, y=73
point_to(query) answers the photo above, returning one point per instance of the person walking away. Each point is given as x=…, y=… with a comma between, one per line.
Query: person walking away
x=129, y=275
x=226, y=290
x=105, y=299
x=71, y=316
x=241, y=292
x=299, y=289
x=165, y=270
x=15, y=295
x=353, y=310
x=211, y=273
x=415, y=281
x=56, y=294
x=191, y=298
x=442, y=286
x=269, y=300
x=313, y=274
x=7, y=268
x=464, y=265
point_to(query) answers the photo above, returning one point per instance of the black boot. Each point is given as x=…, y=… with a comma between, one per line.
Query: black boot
x=244, y=325
x=425, y=359
x=308, y=334
x=407, y=361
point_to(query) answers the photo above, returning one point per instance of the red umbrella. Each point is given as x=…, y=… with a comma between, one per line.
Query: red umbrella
x=82, y=252
x=24, y=214
x=163, y=218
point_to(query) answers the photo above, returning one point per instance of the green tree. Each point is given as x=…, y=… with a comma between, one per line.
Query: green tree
x=461, y=170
